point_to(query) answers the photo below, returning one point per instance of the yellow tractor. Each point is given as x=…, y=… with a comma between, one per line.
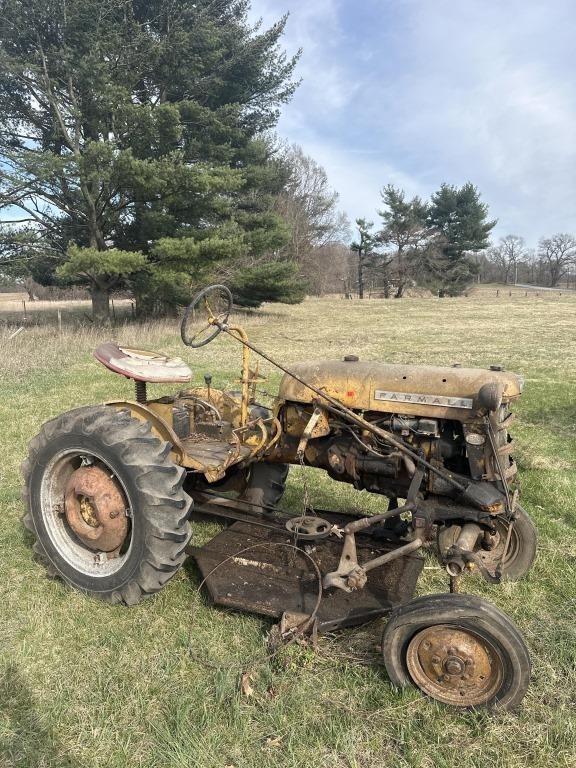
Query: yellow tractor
x=111, y=489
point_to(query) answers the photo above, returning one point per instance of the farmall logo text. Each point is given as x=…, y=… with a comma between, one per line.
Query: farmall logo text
x=412, y=397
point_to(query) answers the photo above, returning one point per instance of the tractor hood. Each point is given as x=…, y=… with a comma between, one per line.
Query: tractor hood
x=450, y=393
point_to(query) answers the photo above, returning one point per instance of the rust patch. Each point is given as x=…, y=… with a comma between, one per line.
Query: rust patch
x=454, y=665
x=95, y=509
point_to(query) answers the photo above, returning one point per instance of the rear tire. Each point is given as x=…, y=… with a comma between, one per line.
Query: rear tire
x=149, y=484
x=265, y=485
x=260, y=485
x=458, y=649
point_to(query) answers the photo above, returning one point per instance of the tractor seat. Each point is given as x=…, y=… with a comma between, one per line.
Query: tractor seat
x=142, y=365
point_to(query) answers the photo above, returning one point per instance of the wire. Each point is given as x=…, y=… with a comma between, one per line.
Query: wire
x=297, y=631
x=367, y=447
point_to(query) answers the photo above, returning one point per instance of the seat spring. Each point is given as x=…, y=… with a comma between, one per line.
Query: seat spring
x=140, y=392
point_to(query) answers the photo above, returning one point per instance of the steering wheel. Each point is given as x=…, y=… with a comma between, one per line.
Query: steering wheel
x=205, y=316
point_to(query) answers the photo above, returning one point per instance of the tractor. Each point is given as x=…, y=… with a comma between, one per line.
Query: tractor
x=110, y=492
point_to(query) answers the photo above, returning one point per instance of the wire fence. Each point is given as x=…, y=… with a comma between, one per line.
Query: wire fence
x=18, y=311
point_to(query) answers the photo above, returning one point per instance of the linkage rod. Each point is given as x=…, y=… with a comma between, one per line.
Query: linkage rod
x=342, y=410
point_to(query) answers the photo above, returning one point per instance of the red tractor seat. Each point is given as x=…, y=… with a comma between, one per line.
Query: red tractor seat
x=142, y=365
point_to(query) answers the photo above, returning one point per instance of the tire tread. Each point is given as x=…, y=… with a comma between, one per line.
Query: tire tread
x=163, y=504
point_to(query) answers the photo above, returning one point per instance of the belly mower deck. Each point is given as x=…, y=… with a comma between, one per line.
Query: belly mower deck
x=259, y=567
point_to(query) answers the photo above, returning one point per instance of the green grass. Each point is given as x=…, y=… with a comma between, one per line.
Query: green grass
x=83, y=684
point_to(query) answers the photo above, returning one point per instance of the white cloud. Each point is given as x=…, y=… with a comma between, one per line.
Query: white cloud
x=315, y=28
x=417, y=92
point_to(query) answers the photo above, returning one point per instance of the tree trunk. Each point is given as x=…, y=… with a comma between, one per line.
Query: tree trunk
x=360, y=276
x=29, y=286
x=401, y=273
x=100, y=304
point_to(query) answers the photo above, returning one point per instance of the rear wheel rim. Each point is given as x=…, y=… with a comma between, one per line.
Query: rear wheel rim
x=75, y=522
x=454, y=665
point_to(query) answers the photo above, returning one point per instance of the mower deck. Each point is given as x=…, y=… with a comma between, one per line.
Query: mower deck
x=256, y=568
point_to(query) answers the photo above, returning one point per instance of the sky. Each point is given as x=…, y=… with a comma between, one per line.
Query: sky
x=421, y=92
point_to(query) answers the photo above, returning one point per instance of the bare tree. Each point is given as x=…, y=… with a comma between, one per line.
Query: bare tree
x=507, y=256
x=327, y=269
x=558, y=254
x=309, y=206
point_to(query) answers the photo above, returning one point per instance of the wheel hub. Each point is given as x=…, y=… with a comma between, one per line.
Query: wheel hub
x=309, y=527
x=454, y=665
x=95, y=509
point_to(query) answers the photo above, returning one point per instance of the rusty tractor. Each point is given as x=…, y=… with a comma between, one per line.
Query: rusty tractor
x=110, y=491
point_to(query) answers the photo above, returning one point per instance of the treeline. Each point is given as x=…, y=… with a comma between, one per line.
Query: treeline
x=136, y=153
x=426, y=243
x=444, y=245
x=552, y=263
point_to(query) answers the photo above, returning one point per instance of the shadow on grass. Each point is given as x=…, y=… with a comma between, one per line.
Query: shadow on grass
x=26, y=741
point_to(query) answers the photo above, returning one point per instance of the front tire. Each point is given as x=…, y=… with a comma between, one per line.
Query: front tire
x=458, y=649
x=521, y=550
x=105, y=504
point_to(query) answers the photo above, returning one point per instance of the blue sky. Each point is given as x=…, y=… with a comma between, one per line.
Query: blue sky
x=417, y=92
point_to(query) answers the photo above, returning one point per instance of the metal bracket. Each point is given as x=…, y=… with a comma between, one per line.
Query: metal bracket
x=317, y=414
x=351, y=575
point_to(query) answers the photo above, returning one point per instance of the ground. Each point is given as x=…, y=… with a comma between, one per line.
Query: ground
x=84, y=684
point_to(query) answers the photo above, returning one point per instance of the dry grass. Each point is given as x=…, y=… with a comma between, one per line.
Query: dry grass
x=17, y=310
x=83, y=684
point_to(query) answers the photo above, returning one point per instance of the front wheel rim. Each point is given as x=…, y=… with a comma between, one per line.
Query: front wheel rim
x=86, y=513
x=493, y=557
x=455, y=665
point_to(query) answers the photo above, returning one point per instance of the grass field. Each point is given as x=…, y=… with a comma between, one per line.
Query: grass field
x=85, y=685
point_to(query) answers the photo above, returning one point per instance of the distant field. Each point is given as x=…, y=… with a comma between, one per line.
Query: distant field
x=17, y=309
x=84, y=685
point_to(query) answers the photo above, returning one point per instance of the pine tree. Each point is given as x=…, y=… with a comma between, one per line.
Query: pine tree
x=405, y=229
x=364, y=247
x=461, y=219
x=126, y=124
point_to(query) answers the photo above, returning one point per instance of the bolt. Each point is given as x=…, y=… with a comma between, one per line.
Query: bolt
x=426, y=645
x=453, y=666
x=113, y=514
